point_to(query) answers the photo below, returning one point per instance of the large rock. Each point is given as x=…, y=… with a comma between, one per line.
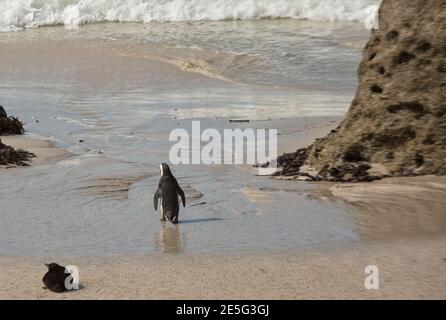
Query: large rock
x=397, y=120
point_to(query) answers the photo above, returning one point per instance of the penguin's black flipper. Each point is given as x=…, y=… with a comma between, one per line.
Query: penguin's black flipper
x=156, y=199
x=183, y=197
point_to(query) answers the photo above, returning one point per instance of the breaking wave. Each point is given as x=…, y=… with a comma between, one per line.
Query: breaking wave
x=20, y=14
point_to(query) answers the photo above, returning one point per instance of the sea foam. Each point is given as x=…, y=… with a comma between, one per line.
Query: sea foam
x=20, y=14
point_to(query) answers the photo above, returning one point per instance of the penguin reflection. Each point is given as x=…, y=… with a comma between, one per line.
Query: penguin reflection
x=170, y=240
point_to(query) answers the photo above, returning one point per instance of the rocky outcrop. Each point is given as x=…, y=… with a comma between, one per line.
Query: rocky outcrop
x=396, y=125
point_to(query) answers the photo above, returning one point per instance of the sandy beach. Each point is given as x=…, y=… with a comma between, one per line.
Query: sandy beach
x=400, y=237
x=99, y=103
x=409, y=269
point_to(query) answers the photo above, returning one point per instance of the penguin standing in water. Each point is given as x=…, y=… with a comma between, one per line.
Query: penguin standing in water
x=168, y=192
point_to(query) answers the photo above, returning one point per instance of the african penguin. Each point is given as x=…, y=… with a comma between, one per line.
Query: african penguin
x=54, y=279
x=168, y=192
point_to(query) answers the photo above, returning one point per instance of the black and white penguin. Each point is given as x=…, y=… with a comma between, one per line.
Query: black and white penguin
x=54, y=279
x=168, y=192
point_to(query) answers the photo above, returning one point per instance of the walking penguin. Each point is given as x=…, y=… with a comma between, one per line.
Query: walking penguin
x=167, y=193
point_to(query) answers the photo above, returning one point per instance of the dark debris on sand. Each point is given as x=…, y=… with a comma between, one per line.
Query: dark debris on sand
x=291, y=164
x=8, y=155
x=10, y=125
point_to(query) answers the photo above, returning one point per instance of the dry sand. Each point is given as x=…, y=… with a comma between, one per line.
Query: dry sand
x=412, y=269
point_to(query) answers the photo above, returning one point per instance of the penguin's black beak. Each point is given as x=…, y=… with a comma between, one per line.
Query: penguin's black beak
x=47, y=265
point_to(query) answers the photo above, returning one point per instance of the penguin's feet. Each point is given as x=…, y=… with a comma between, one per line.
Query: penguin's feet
x=163, y=219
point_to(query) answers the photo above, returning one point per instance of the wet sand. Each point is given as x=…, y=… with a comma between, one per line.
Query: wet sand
x=397, y=207
x=259, y=244
x=408, y=269
x=401, y=222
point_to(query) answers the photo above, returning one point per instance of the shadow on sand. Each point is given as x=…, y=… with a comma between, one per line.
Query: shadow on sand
x=198, y=220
